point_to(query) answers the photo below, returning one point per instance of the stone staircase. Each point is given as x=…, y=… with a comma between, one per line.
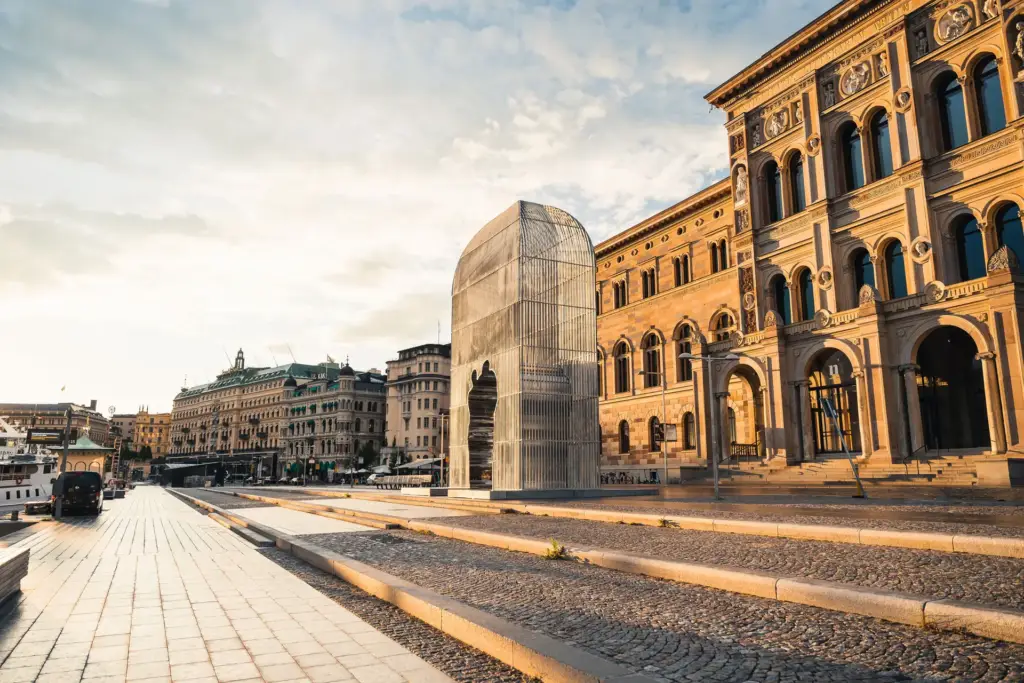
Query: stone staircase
x=942, y=470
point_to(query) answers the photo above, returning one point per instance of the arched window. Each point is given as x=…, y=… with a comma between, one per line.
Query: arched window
x=895, y=273
x=970, y=250
x=653, y=427
x=689, y=432
x=677, y=271
x=621, y=368
x=714, y=258
x=600, y=374
x=780, y=291
x=806, y=285
x=652, y=361
x=684, y=369
x=1008, y=229
x=773, y=191
x=863, y=269
x=723, y=327
x=796, y=184
x=686, y=269
x=723, y=256
x=681, y=265
x=623, y=437
x=619, y=291
x=881, y=145
x=358, y=425
x=991, y=113
x=645, y=284
x=952, y=115
x=853, y=159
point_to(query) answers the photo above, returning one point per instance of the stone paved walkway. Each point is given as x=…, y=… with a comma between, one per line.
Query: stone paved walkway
x=150, y=590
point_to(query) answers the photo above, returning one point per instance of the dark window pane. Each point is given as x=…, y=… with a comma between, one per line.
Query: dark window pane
x=853, y=161
x=970, y=250
x=796, y=180
x=990, y=97
x=883, y=148
x=896, y=272
x=806, y=295
x=864, y=272
x=773, y=181
x=1008, y=229
x=714, y=258
x=952, y=115
x=782, y=305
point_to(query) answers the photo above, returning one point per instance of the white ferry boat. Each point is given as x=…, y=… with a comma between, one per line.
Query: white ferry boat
x=26, y=471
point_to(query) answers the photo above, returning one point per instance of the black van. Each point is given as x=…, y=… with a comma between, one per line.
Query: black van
x=81, y=491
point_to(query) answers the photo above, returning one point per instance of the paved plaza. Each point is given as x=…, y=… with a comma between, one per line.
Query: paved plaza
x=153, y=591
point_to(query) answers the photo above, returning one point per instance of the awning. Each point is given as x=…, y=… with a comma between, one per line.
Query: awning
x=419, y=464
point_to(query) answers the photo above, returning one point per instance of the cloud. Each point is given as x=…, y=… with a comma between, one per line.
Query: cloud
x=234, y=173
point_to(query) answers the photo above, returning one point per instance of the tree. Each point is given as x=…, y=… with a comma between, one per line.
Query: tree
x=367, y=455
x=146, y=453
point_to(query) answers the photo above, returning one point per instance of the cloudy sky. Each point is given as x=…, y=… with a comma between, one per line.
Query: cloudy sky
x=179, y=178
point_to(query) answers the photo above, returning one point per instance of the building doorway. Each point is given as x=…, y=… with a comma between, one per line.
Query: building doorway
x=951, y=391
x=832, y=382
x=483, y=399
x=743, y=418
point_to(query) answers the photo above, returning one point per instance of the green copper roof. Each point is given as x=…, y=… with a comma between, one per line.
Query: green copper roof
x=84, y=443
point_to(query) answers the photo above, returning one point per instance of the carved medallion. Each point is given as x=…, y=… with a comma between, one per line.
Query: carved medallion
x=856, y=79
x=902, y=99
x=749, y=301
x=813, y=145
x=822, y=318
x=954, y=23
x=934, y=292
x=921, y=250
x=825, y=278
x=869, y=295
x=777, y=124
x=771, y=319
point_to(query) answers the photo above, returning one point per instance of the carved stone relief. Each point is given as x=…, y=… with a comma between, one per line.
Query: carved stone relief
x=798, y=113
x=883, y=64
x=749, y=301
x=825, y=279
x=777, y=124
x=954, y=23
x=869, y=295
x=755, y=135
x=934, y=292
x=1003, y=259
x=771, y=319
x=828, y=95
x=1018, y=49
x=822, y=318
x=813, y=145
x=921, y=250
x=740, y=186
x=736, y=143
x=856, y=79
x=990, y=9
x=902, y=99
x=921, y=44
x=742, y=221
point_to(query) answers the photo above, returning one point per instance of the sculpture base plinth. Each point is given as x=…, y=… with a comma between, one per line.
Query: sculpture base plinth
x=551, y=494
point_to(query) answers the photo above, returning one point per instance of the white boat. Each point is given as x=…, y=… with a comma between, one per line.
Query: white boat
x=26, y=471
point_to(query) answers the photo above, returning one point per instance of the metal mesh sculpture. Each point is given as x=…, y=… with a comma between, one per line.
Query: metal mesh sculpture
x=524, y=355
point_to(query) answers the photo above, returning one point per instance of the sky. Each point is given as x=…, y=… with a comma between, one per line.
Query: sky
x=182, y=178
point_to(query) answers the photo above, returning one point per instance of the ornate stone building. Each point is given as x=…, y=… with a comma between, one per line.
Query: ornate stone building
x=418, y=391
x=859, y=262
x=333, y=414
x=153, y=430
x=85, y=418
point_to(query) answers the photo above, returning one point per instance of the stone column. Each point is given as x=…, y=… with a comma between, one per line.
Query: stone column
x=993, y=404
x=765, y=450
x=863, y=414
x=806, y=426
x=722, y=406
x=913, y=408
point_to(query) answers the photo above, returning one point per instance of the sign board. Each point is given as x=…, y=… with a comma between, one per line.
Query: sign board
x=671, y=433
x=50, y=437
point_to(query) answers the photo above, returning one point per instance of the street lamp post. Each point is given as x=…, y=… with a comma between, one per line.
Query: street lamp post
x=708, y=360
x=664, y=418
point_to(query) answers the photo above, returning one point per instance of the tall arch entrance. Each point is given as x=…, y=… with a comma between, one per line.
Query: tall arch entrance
x=951, y=391
x=741, y=410
x=833, y=388
x=483, y=399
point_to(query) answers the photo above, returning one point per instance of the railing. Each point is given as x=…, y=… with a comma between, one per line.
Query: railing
x=744, y=452
x=903, y=304
x=799, y=328
x=962, y=289
x=752, y=338
x=844, y=317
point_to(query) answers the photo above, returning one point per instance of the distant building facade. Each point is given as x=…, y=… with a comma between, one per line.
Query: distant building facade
x=333, y=415
x=861, y=261
x=153, y=430
x=122, y=426
x=418, y=391
x=86, y=419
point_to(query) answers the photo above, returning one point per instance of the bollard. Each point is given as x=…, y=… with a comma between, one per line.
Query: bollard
x=14, y=515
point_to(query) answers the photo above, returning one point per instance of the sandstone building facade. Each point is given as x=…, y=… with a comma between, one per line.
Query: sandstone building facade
x=855, y=276
x=418, y=388
x=153, y=430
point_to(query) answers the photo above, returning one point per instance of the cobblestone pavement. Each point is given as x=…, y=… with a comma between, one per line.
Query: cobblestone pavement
x=977, y=578
x=459, y=661
x=677, y=632
x=783, y=515
x=150, y=590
